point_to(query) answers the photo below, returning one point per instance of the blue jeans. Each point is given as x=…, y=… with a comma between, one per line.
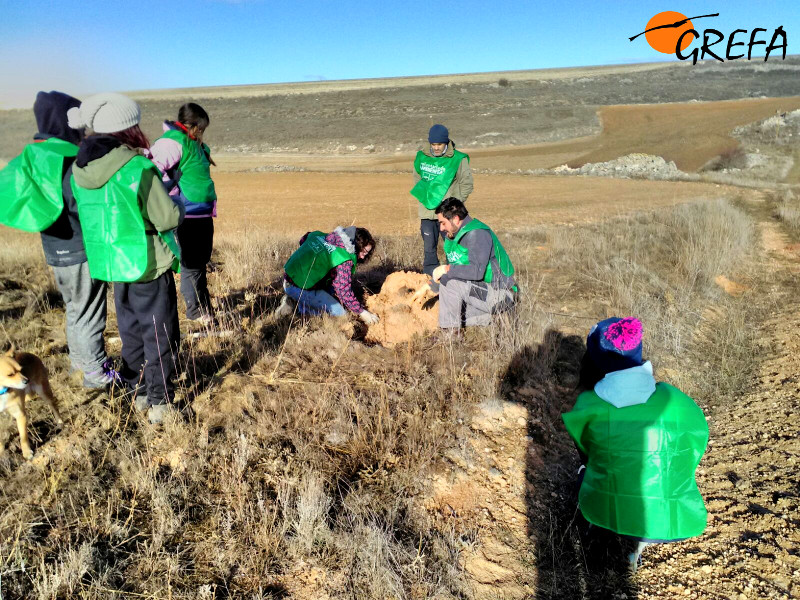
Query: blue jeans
x=314, y=302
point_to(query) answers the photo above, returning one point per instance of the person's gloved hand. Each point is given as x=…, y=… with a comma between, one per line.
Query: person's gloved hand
x=439, y=271
x=368, y=317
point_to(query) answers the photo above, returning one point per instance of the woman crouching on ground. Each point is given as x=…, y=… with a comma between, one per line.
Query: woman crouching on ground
x=318, y=277
x=128, y=230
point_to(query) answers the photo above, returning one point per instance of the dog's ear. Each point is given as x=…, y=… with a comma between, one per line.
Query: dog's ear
x=11, y=351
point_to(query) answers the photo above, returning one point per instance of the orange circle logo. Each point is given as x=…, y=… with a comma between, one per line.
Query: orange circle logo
x=669, y=25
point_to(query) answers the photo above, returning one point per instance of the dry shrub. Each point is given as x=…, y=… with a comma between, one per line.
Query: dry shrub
x=660, y=267
x=788, y=209
x=734, y=158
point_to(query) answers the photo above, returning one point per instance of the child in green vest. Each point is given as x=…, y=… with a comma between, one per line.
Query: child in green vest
x=640, y=442
x=128, y=229
x=185, y=161
x=35, y=195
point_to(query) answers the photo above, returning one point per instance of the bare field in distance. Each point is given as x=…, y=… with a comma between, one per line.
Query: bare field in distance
x=690, y=134
x=297, y=202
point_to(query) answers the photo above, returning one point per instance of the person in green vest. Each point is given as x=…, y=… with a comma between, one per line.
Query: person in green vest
x=185, y=162
x=439, y=172
x=640, y=443
x=128, y=231
x=478, y=280
x=318, y=277
x=35, y=195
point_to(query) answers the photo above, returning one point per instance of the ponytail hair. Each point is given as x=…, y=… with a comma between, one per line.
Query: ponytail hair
x=191, y=114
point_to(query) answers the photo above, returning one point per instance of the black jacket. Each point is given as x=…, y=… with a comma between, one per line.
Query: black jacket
x=63, y=240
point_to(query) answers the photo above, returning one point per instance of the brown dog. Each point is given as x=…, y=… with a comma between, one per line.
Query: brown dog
x=22, y=376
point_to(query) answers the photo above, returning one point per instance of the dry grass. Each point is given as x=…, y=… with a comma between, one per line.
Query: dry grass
x=788, y=210
x=302, y=466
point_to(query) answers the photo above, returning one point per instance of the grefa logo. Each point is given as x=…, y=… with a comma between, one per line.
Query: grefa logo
x=671, y=32
x=432, y=169
x=321, y=244
x=453, y=257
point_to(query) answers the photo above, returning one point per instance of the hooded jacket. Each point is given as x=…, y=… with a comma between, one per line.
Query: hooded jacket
x=460, y=188
x=62, y=242
x=99, y=158
x=642, y=441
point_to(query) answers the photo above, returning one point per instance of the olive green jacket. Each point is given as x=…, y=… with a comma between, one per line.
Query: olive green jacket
x=460, y=188
x=159, y=211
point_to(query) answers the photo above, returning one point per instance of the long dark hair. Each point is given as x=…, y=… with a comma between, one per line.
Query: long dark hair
x=133, y=137
x=191, y=114
x=364, y=239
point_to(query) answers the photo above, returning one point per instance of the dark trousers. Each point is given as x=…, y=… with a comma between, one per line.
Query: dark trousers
x=196, y=237
x=147, y=318
x=430, y=243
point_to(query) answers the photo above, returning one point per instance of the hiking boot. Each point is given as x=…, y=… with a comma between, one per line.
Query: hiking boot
x=159, y=412
x=286, y=307
x=102, y=378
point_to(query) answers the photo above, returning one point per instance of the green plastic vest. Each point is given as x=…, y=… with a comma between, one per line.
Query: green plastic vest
x=30, y=185
x=314, y=259
x=436, y=175
x=195, y=182
x=113, y=228
x=459, y=255
x=639, y=480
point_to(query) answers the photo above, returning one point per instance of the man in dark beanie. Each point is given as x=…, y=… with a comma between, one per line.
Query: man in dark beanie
x=440, y=172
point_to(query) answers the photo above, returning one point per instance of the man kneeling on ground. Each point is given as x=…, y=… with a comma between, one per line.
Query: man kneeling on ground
x=478, y=280
x=318, y=277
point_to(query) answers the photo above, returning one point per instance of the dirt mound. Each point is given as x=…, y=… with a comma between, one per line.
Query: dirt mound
x=401, y=316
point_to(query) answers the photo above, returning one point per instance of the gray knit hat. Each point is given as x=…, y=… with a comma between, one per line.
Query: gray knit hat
x=105, y=113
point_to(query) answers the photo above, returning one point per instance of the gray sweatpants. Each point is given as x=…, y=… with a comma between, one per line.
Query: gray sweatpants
x=85, y=300
x=469, y=303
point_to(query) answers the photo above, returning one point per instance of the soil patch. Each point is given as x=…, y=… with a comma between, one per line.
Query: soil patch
x=402, y=316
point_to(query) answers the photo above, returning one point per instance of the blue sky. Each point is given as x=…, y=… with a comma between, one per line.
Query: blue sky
x=89, y=46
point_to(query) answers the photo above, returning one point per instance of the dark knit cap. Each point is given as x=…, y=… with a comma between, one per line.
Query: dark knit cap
x=438, y=134
x=615, y=344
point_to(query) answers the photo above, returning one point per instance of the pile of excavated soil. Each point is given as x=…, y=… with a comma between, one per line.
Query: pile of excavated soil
x=400, y=317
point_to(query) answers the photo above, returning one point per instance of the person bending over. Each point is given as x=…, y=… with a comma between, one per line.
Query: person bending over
x=318, y=277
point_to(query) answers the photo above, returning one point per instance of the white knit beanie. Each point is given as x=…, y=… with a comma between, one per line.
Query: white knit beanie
x=105, y=113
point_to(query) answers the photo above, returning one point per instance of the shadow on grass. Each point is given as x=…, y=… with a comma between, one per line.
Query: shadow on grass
x=573, y=559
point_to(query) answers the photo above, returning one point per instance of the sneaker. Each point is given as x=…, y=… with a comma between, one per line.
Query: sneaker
x=286, y=307
x=103, y=378
x=159, y=412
